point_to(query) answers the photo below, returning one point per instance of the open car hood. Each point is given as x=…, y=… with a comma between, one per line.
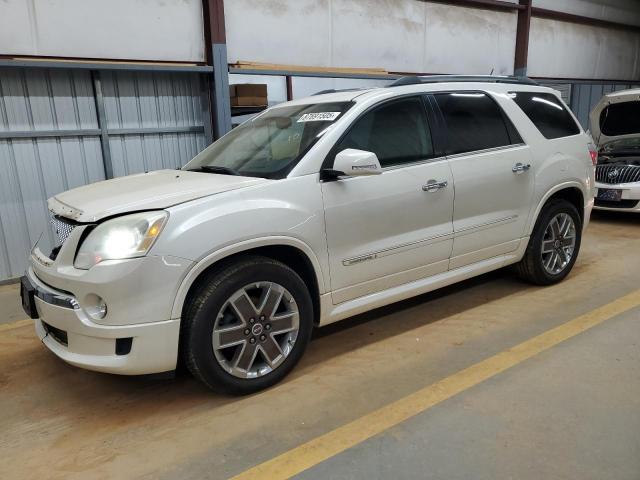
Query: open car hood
x=616, y=116
x=146, y=191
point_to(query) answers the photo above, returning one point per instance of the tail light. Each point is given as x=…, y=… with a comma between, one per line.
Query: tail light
x=593, y=151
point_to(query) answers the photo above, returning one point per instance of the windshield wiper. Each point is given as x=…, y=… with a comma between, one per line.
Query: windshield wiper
x=215, y=169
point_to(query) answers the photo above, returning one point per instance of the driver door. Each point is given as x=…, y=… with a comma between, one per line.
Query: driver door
x=389, y=229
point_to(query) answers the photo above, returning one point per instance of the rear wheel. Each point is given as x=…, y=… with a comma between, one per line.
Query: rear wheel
x=247, y=326
x=554, y=244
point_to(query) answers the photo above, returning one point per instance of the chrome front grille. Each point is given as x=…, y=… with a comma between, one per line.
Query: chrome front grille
x=62, y=228
x=617, y=173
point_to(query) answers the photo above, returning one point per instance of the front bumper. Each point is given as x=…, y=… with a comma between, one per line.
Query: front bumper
x=630, y=200
x=138, y=334
x=125, y=349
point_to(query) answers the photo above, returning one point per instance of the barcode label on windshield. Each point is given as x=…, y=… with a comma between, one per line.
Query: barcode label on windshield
x=319, y=117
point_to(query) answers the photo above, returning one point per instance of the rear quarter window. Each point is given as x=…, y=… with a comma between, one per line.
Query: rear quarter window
x=547, y=113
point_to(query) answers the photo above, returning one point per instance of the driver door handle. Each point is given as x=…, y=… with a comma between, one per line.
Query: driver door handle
x=520, y=167
x=434, y=186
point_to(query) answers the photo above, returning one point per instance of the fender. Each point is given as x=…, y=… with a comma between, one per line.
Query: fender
x=217, y=255
x=548, y=194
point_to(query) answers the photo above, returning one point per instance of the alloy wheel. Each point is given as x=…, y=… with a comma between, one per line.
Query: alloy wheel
x=255, y=330
x=558, y=243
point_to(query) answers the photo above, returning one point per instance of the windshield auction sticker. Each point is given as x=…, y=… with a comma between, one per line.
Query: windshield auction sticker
x=319, y=117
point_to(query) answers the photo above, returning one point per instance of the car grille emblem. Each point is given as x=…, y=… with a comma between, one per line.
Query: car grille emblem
x=613, y=173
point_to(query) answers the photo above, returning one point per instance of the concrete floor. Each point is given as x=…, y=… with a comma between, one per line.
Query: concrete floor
x=570, y=412
x=10, y=308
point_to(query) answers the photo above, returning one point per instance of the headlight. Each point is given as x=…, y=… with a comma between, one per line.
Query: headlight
x=128, y=236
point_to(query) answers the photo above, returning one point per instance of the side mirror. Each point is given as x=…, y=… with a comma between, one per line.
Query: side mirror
x=357, y=163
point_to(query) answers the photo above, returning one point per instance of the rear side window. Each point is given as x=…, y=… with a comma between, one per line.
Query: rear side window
x=397, y=132
x=547, y=113
x=474, y=122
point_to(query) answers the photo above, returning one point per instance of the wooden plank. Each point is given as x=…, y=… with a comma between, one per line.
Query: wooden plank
x=242, y=64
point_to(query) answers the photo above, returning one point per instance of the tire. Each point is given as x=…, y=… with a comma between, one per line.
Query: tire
x=533, y=266
x=218, y=314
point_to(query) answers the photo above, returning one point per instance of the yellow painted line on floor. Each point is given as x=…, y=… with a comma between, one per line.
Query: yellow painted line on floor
x=16, y=324
x=332, y=443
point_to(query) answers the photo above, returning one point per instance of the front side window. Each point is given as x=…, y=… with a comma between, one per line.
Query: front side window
x=271, y=144
x=397, y=132
x=474, y=122
x=547, y=113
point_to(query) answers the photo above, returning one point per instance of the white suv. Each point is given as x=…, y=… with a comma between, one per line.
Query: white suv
x=316, y=210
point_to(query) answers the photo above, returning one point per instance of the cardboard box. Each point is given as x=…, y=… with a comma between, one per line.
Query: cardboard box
x=248, y=101
x=249, y=90
x=248, y=95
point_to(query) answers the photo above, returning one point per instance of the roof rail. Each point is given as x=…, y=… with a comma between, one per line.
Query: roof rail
x=334, y=90
x=415, y=80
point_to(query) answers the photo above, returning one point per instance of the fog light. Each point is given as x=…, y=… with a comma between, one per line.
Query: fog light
x=95, y=307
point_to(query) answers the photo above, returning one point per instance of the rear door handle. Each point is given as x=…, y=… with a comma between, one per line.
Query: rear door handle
x=434, y=186
x=520, y=167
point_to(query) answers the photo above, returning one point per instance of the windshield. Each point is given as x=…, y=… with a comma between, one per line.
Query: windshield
x=270, y=144
x=620, y=119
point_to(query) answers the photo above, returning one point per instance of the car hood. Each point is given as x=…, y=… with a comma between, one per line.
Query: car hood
x=146, y=191
x=616, y=116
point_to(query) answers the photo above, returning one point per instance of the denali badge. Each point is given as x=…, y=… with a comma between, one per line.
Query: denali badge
x=354, y=261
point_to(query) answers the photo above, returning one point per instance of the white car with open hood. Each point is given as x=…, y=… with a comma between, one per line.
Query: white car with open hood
x=615, y=126
x=315, y=210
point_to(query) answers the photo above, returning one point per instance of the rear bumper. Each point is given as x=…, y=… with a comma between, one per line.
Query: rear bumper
x=586, y=218
x=630, y=197
x=141, y=348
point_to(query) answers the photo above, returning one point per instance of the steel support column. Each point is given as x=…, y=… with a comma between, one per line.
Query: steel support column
x=220, y=91
x=289, y=83
x=522, y=39
x=102, y=125
x=206, y=107
x=216, y=45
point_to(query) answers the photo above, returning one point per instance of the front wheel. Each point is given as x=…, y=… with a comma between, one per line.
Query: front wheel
x=554, y=244
x=247, y=326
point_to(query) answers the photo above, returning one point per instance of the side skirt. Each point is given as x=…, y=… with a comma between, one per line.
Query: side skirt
x=333, y=313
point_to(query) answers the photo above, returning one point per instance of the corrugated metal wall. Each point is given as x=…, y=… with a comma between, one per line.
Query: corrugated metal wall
x=585, y=96
x=563, y=88
x=50, y=140
x=170, y=102
x=33, y=169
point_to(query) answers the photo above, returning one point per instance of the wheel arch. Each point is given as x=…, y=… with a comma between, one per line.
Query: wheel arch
x=290, y=251
x=573, y=192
